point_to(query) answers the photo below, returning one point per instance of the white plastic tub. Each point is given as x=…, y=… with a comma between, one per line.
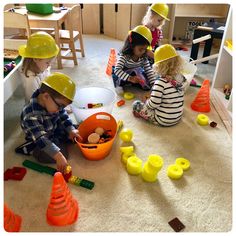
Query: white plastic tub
x=188, y=72
x=93, y=95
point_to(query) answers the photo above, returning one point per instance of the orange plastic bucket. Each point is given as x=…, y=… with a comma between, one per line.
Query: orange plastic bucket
x=96, y=152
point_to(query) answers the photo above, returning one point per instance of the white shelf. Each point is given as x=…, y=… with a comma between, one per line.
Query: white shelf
x=222, y=76
x=221, y=97
x=201, y=10
x=181, y=14
x=199, y=16
x=228, y=50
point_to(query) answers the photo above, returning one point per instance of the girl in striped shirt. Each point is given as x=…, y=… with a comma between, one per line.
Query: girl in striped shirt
x=165, y=105
x=133, y=66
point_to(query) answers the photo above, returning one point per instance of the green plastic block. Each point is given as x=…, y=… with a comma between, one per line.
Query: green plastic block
x=40, y=168
x=86, y=184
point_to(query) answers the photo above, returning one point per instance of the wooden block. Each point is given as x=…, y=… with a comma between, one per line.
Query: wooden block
x=176, y=224
x=205, y=28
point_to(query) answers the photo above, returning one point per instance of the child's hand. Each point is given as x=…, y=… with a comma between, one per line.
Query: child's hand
x=134, y=79
x=75, y=134
x=150, y=54
x=61, y=162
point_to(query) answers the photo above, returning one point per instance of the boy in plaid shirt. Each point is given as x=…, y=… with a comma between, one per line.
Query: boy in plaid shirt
x=45, y=122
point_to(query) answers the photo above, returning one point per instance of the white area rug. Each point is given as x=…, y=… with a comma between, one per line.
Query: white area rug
x=119, y=202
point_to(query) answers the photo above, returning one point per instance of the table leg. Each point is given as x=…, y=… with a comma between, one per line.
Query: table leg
x=195, y=47
x=207, y=49
x=59, y=64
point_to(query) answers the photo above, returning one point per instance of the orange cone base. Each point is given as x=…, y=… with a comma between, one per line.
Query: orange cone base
x=58, y=218
x=12, y=222
x=201, y=107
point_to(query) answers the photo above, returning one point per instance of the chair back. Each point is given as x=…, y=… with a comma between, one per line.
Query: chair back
x=13, y=20
x=75, y=20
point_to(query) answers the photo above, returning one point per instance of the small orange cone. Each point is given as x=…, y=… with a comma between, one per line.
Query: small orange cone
x=111, y=62
x=202, y=101
x=12, y=222
x=63, y=208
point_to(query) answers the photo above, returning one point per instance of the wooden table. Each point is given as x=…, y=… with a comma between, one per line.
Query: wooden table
x=53, y=20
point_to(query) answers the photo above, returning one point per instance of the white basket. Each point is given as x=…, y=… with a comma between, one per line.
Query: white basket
x=188, y=72
x=93, y=95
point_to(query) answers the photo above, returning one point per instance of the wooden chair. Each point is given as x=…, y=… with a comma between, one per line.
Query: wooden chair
x=72, y=33
x=13, y=20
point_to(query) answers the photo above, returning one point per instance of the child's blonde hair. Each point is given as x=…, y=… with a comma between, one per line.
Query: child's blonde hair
x=149, y=16
x=170, y=67
x=30, y=65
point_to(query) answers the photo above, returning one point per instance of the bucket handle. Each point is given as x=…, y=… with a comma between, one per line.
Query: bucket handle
x=89, y=147
x=103, y=117
x=84, y=145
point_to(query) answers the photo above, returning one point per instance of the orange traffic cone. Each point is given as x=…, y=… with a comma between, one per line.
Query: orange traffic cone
x=12, y=222
x=63, y=208
x=202, y=101
x=111, y=62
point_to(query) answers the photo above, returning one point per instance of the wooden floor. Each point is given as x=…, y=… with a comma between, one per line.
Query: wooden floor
x=225, y=115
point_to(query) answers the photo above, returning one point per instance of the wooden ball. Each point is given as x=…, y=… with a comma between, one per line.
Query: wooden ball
x=99, y=131
x=93, y=138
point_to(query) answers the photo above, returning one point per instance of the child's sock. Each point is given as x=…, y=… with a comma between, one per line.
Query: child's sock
x=26, y=148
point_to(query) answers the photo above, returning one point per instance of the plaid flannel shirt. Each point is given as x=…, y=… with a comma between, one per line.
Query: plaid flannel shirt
x=42, y=127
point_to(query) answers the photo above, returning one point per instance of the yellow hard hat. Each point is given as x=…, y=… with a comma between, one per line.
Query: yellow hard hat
x=144, y=31
x=161, y=9
x=164, y=52
x=61, y=83
x=39, y=45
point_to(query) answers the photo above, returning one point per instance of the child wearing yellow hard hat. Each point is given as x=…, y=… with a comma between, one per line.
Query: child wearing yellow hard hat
x=154, y=19
x=133, y=67
x=45, y=122
x=38, y=55
x=166, y=103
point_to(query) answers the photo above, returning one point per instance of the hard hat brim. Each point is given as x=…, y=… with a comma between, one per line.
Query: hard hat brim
x=161, y=15
x=164, y=17
x=166, y=59
x=22, y=50
x=23, y=53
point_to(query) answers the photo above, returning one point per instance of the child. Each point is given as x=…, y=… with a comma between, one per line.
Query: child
x=38, y=54
x=165, y=105
x=133, y=66
x=45, y=122
x=154, y=20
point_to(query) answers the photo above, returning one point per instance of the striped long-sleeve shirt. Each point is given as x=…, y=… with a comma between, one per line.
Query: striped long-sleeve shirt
x=40, y=126
x=125, y=62
x=167, y=102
